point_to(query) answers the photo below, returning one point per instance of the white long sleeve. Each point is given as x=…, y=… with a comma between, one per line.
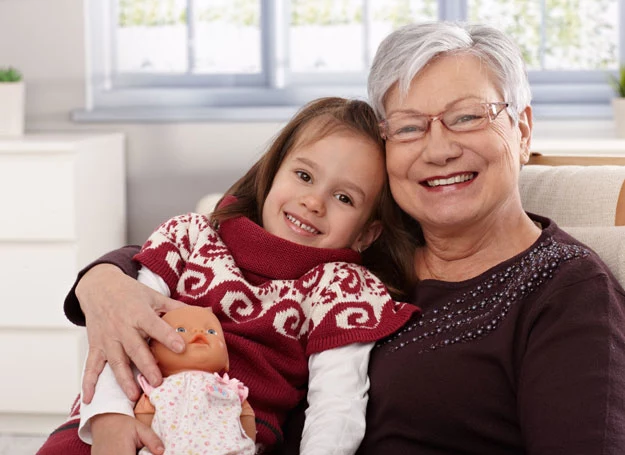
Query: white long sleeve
x=109, y=396
x=337, y=400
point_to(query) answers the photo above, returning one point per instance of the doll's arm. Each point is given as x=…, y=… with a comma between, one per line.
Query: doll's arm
x=248, y=420
x=144, y=410
x=337, y=400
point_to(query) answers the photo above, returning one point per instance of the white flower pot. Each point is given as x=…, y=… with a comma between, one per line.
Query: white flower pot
x=11, y=109
x=618, y=110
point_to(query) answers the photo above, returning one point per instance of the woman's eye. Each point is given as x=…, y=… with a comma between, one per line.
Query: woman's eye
x=181, y=329
x=304, y=176
x=344, y=199
x=211, y=331
x=408, y=130
x=467, y=118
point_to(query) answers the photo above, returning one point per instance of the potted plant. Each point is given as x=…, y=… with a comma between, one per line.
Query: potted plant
x=618, y=103
x=11, y=102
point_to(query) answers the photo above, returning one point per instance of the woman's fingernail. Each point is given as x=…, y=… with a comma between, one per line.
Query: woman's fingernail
x=178, y=346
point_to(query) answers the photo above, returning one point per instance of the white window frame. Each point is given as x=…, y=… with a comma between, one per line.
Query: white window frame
x=275, y=95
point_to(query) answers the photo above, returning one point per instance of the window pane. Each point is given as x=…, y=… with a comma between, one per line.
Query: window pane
x=389, y=15
x=227, y=36
x=329, y=35
x=570, y=35
x=151, y=36
x=326, y=35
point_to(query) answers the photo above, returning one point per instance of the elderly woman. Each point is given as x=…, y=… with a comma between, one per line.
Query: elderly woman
x=521, y=346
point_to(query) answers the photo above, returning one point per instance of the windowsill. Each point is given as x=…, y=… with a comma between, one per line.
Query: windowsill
x=185, y=115
x=160, y=114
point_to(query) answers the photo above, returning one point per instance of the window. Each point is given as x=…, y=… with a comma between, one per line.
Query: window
x=240, y=59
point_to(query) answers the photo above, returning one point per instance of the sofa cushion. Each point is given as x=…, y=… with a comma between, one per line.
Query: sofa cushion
x=575, y=195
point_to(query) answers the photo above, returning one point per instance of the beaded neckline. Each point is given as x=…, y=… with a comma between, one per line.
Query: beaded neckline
x=480, y=309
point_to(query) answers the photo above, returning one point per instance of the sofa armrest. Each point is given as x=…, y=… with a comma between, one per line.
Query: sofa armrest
x=207, y=204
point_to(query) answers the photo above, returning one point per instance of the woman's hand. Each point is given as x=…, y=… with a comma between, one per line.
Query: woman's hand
x=122, y=435
x=120, y=313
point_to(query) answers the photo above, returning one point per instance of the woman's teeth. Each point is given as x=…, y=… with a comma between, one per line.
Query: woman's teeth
x=450, y=181
x=301, y=225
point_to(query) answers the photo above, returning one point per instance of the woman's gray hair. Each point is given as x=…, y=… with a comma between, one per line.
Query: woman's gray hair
x=406, y=51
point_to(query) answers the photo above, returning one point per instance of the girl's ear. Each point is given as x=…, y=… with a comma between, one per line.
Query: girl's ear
x=369, y=235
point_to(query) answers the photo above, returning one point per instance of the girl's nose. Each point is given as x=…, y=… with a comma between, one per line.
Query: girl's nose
x=313, y=203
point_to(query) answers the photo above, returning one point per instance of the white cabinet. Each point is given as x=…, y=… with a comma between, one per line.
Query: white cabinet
x=62, y=204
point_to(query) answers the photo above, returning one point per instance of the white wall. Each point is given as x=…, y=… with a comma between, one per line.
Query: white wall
x=169, y=165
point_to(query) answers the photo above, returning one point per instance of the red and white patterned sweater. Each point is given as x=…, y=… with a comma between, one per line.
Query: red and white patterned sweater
x=278, y=303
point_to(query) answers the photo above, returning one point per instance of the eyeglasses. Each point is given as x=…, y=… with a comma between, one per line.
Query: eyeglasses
x=405, y=127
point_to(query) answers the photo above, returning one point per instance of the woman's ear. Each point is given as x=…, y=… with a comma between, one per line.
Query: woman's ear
x=525, y=127
x=369, y=235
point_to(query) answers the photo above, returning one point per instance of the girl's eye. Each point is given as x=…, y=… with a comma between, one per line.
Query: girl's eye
x=211, y=331
x=344, y=199
x=181, y=329
x=304, y=176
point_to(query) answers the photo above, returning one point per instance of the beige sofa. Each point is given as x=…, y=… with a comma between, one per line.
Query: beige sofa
x=585, y=196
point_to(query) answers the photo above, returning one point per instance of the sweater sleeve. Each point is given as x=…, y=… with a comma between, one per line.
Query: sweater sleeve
x=350, y=305
x=121, y=258
x=571, y=391
x=170, y=247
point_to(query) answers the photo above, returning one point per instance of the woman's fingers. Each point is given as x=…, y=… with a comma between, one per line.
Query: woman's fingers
x=93, y=367
x=159, y=330
x=120, y=313
x=120, y=364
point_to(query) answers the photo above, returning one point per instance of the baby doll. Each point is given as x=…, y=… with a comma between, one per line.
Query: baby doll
x=195, y=410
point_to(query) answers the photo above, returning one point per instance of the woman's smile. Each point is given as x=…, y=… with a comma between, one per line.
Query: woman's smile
x=455, y=179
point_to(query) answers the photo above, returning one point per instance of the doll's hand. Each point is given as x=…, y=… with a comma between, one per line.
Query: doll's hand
x=122, y=435
x=120, y=312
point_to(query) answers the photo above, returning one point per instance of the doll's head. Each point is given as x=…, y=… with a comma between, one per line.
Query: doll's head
x=205, y=348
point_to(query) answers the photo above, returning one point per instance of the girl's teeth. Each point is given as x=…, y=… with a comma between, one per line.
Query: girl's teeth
x=301, y=225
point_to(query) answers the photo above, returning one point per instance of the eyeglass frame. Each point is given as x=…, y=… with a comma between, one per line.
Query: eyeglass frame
x=491, y=112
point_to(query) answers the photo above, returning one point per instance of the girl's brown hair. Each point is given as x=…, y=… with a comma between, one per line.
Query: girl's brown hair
x=391, y=256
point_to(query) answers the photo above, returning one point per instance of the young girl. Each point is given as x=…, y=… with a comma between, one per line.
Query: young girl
x=278, y=264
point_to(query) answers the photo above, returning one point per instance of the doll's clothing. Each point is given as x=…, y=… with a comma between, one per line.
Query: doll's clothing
x=199, y=413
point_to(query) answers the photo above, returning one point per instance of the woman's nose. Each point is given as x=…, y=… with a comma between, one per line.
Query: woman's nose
x=439, y=147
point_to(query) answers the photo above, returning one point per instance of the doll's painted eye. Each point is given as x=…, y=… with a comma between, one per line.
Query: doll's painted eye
x=211, y=331
x=181, y=329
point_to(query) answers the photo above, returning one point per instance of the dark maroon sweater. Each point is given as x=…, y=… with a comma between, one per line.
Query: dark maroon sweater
x=527, y=358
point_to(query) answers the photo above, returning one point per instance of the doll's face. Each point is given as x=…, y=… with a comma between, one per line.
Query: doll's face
x=204, y=339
